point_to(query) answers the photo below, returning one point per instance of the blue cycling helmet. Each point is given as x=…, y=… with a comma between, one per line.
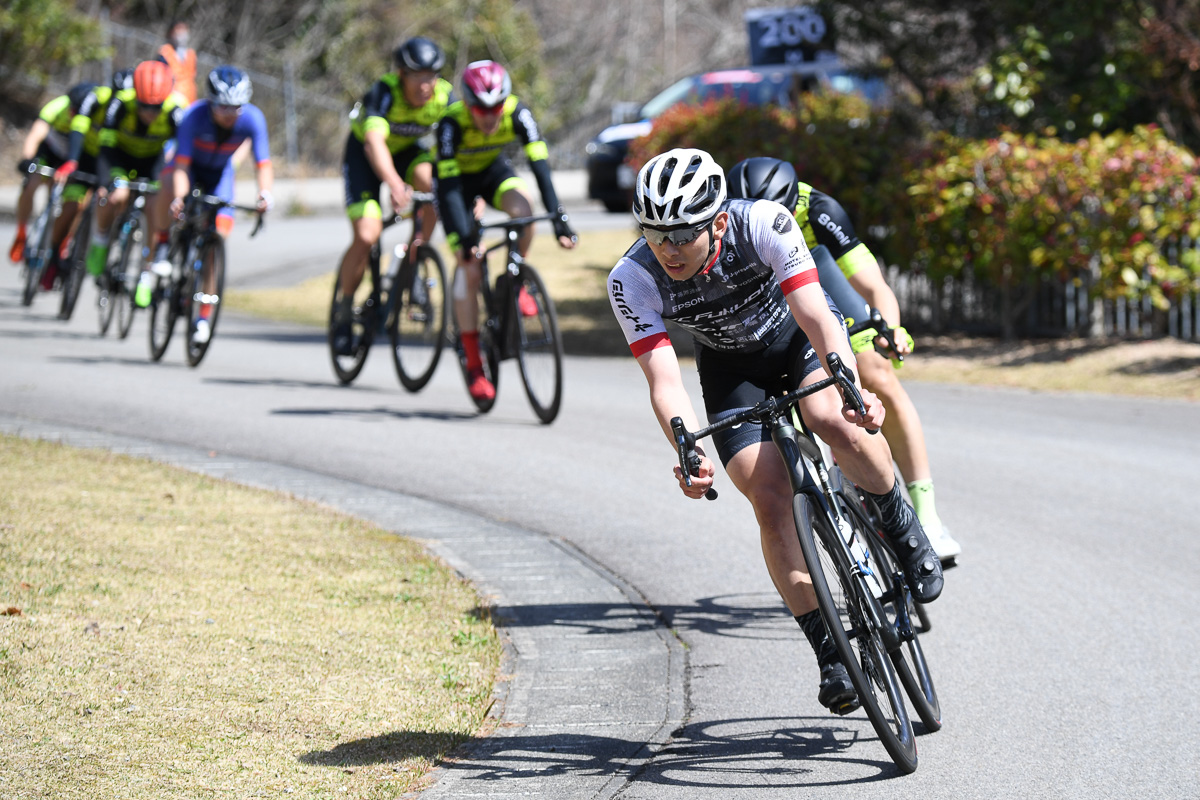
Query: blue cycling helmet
x=229, y=86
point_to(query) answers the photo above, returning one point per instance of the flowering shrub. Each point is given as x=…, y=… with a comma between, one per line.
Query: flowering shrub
x=1015, y=209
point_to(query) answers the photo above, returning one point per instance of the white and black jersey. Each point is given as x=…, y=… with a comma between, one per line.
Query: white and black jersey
x=736, y=303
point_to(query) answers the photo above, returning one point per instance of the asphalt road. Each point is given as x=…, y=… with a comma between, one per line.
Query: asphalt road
x=1064, y=648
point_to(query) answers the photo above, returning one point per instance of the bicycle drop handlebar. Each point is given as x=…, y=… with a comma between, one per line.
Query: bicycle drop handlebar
x=211, y=201
x=767, y=411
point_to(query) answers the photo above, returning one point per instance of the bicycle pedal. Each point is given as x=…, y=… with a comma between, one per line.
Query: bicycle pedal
x=847, y=707
x=950, y=562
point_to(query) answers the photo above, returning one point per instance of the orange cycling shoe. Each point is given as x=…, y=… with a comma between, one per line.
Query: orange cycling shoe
x=17, y=251
x=479, y=387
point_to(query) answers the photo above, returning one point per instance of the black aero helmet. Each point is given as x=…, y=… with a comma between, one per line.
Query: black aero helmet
x=122, y=79
x=765, y=179
x=419, y=54
x=77, y=93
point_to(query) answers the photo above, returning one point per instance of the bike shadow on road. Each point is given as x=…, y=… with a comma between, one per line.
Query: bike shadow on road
x=291, y=383
x=378, y=413
x=124, y=361
x=775, y=752
x=290, y=336
x=744, y=616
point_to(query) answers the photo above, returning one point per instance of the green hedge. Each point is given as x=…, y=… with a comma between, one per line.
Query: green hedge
x=1015, y=210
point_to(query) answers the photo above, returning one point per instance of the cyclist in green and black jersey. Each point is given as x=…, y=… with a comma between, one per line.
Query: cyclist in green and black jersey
x=825, y=223
x=471, y=141
x=46, y=144
x=390, y=142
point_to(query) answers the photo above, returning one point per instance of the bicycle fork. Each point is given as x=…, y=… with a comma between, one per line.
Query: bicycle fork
x=807, y=473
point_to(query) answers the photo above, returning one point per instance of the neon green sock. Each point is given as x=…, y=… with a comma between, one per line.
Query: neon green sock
x=921, y=493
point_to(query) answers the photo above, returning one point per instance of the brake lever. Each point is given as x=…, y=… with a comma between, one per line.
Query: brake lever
x=850, y=394
x=689, y=459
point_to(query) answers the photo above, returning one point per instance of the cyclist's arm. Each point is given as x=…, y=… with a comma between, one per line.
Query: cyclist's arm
x=81, y=123
x=538, y=154
x=669, y=399
x=375, y=106
x=868, y=280
x=461, y=231
x=37, y=134
x=264, y=170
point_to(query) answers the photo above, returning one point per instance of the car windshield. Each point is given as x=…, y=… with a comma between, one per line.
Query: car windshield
x=745, y=86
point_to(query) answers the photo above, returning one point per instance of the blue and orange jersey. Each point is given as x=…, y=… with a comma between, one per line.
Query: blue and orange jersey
x=205, y=145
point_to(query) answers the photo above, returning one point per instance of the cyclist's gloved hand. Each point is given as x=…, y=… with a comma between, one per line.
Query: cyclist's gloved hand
x=64, y=172
x=863, y=340
x=562, y=227
x=26, y=165
x=265, y=201
x=904, y=343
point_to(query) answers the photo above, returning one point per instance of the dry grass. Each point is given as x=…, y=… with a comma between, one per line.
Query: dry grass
x=577, y=279
x=170, y=635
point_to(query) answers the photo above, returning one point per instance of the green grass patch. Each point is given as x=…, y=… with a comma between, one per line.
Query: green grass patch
x=166, y=634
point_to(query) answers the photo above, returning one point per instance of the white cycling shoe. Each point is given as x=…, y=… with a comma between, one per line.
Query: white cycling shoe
x=161, y=268
x=947, y=549
x=203, y=332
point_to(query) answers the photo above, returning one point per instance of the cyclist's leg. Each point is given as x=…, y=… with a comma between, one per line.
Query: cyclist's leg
x=362, y=189
x=754, y=466
x=421, y=177
x=512, y=197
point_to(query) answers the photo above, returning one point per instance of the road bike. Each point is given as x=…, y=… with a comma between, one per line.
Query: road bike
x=409, y=302
x=39, y=247
x=123, y=267
x=197, y=255
x=517, y=320
x=861, y=590
x=73, y=266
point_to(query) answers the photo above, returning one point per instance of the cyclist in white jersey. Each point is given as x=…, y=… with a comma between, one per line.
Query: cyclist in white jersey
x=738, y=276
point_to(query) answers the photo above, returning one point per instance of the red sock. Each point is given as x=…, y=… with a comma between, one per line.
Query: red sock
x=161, y=238
x=470, y=340
x=205, y=310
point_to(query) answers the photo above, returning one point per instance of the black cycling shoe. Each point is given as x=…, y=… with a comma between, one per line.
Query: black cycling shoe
x=837, y=692
x=343, y=340
x=922, y=568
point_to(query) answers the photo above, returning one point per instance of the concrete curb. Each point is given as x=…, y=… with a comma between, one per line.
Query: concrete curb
x=592, y=683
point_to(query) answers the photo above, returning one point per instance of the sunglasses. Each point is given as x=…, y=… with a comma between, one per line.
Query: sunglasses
x=487, y=112
x=149, y=106
x=678, y=236
x=224, y=109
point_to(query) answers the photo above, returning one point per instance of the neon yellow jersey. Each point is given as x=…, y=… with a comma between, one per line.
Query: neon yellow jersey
x=463, y=149
x=90, y=118
x=824, y=221
x=384, y=108
x=125, y=131
x=57, y=114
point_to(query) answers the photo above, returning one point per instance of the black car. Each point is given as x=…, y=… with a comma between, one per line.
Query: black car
x=610, y=177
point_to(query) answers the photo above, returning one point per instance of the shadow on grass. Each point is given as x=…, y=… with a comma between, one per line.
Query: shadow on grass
x=1161, y=366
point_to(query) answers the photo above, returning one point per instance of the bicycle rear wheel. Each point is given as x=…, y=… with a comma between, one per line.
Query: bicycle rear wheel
x=843, y=598
x=347, y=367
x=489, y=347
x=212, y=256
x=539, y=345
x=75, y=266
x=128, y=272
x=418, y=326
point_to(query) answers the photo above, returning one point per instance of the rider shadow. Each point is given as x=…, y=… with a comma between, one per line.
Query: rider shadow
x=277, y=337
x=44, y=333
x=747, y=616
x=288, y=383
x=129, y=362
x=776, y=752
x=378, y=413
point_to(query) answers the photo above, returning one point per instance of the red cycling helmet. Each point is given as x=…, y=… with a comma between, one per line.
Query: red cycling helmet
x=153, y=82
x=485, y=84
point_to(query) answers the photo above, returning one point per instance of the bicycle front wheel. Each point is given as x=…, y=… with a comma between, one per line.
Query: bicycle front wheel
x=418, y=325
x=842, y=597
x=164, y=310
x=128, y=272
x=75, y=266
x=205, y=304
x=539, y=345
x=37, y=256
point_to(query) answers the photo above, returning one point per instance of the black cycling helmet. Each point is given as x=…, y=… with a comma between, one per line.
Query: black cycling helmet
x=765, y=179
x=77, y=93
x=419, y=54
x=122, y=79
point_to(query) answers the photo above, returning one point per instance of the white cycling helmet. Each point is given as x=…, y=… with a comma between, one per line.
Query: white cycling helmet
x=681, y=187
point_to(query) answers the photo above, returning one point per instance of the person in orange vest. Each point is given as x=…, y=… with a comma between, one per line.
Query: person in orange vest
x=181, y=59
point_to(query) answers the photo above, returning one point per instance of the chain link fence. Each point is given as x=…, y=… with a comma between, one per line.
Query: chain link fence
x=308, y=130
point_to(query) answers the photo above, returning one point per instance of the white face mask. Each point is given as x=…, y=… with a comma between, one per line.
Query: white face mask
x=179, y=40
